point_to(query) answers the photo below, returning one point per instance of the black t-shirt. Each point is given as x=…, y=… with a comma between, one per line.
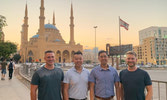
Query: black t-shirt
x=134, y=83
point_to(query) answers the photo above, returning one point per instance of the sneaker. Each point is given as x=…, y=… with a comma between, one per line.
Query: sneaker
x=2, y=78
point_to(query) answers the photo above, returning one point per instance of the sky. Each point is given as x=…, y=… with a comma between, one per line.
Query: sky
x=104, y=14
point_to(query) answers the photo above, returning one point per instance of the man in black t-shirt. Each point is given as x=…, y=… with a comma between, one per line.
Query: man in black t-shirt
x=134, y=81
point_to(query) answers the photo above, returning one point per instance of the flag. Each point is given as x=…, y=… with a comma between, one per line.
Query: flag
x=123, y=24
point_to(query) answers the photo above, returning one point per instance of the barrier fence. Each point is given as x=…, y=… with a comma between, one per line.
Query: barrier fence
x=159, y=90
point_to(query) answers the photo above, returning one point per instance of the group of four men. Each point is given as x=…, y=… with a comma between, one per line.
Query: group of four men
x=53, y=85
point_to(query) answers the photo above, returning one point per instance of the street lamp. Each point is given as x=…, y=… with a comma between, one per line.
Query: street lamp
x=95, y=42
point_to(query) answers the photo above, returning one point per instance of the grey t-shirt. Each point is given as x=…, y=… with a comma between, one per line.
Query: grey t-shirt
x=49, y=83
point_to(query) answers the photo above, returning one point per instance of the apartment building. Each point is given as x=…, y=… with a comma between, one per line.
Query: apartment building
x=153, y=31
x=152, y=51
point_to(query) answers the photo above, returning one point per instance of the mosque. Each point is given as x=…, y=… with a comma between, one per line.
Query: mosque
x=48, y=37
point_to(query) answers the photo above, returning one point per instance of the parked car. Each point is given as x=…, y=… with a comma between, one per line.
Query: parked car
x=147, y=66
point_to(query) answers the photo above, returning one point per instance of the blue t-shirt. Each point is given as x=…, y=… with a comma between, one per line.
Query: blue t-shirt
x=104, y=81
x=49, y=83
x=134, y=83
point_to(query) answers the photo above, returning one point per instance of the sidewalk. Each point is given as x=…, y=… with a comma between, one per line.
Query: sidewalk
x=13, y=89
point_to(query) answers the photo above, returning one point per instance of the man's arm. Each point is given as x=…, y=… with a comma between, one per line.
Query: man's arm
x=14, y=66
x=121, y=91
x=7, y=66
x=33, y=92
x=92, y=86
x=149, y=92
x=117, y=90
x=66, y=87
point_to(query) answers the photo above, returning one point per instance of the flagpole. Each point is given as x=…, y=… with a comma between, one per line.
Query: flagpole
x=120, y=50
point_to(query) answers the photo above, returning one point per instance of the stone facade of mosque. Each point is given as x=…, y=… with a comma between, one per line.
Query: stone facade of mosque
x=48, y=37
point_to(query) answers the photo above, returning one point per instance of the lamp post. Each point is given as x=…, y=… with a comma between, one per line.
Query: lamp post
x=95, y=42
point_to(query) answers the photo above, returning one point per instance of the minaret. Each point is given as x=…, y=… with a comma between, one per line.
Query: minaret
x=54, y=18
x=41, y=39
x=24, y=32
x=72, y=42
x=42, y=18
x=25, y=25
x=24, y=36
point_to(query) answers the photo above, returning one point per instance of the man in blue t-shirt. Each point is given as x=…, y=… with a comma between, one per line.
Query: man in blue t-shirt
x=48, y=80
x=102, y=80
x=134, y=81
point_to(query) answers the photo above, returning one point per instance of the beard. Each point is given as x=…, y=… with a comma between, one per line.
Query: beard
x=131, y=64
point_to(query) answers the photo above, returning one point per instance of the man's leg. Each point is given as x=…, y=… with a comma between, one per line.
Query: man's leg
x=3, y=77
x=11, y=73
x=3, y=74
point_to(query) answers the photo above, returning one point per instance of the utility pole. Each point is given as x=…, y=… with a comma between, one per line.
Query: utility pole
x=95, y=43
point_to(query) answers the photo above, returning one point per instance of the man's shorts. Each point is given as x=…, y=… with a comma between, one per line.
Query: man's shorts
x=3, y=71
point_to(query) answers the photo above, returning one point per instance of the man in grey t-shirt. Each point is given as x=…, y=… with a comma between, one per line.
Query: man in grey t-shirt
x=48, y=80
x=76, y=80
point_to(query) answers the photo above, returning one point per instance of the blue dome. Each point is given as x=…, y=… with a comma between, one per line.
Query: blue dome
x=35, y=36
x=57, y=40
x=50, y=26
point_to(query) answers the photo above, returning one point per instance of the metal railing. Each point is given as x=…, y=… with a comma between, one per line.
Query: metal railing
x=159, y=90
x=159, y=87
x=29, y=69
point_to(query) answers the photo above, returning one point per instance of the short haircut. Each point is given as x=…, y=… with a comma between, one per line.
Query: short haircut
x=102, y=51
x=78, y=52
x=131, y=53
x=49, y=51
x=11, y=59
x=3, y=59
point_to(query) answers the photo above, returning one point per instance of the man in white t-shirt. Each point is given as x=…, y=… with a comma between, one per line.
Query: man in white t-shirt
x=76, y=80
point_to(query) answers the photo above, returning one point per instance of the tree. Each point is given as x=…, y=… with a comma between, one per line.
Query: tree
x=6, y=49
x=2, y=24
x=122, y=61
x=17, y=57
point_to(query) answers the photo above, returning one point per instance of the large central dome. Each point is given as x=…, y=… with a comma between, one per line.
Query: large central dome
x=50, y=26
